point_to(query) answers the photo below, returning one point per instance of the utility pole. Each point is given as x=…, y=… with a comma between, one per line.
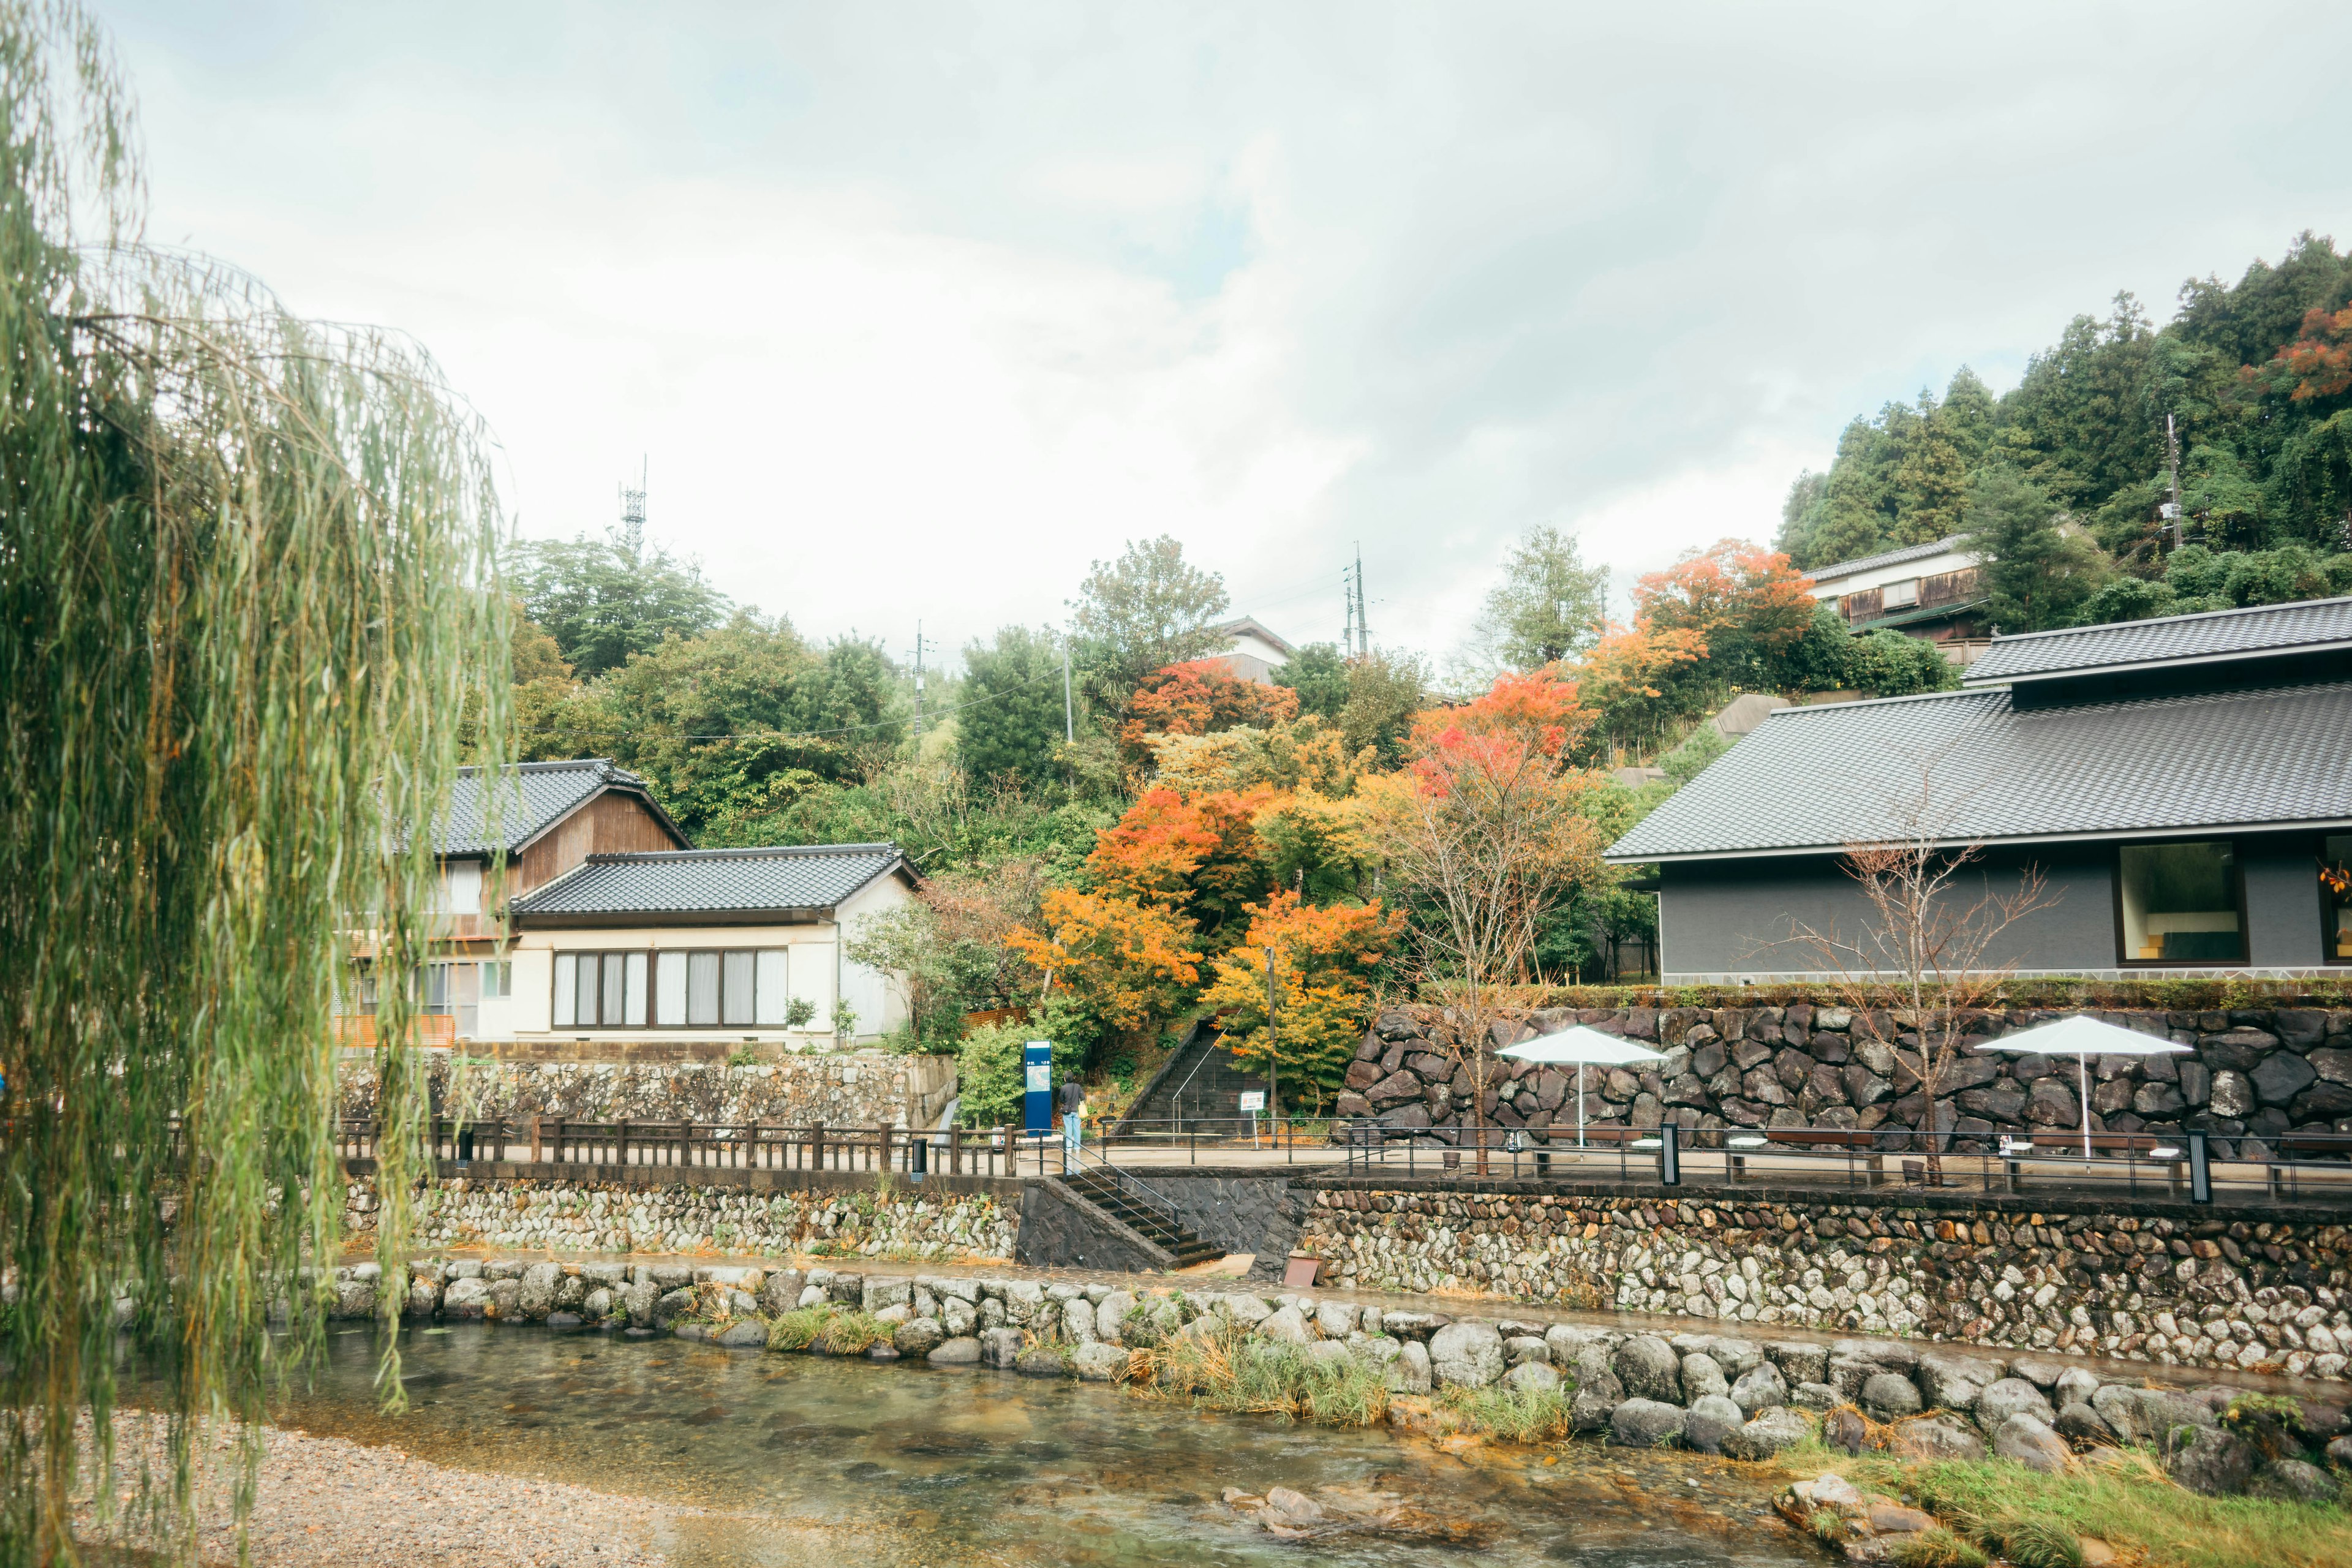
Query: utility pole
x=1347, y=597
x=1069, y=712
x=2172, y=452
x=1273, y=1057
x=1363, y=624
x=918, y=681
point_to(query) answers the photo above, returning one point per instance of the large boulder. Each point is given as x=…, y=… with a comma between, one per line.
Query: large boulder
x=1287, y=1326
x=1952, y=1382
x=1111, y=1317
x=1772, y=1432
x=1735, y=1357
x=638, y=1303
x=2147, y=1415
x=920, y=1336
x=2079, y=1423
x=876, y=1291
x=1890, y=1395
x=1468, y=1355
x=1000, y=1347
x=747, y=1333
x=1040, y=1361
x=1647, y=1423
x=2011, y=1396
x=1703, y=1375
x=2292, y=1480
x=1760, y=1388
x=466, y=1299
x=2031, y=1443
x=780, y=1292
x=961, y=1350
x=1648, y=1368
x=1933, y=1437
x=1591, y=1409
x=1800, y=1361
x=1532, y=1377
x=1712, y=1417
x=1096, y=1362
x=2209, y=1460
x=1413, y=1371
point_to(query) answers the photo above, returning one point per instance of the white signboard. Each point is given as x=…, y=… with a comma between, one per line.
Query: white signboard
x=1252, y=1100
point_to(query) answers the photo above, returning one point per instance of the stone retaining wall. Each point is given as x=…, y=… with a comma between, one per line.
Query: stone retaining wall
x=852, y=1088
x=942, y=1218
x=2256, y=1073
x=2204, y=1293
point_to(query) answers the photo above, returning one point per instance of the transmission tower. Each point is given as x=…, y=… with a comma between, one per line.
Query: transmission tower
x=633, y=511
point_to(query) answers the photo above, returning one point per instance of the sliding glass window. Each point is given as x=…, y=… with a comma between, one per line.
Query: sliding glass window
x=741, y=988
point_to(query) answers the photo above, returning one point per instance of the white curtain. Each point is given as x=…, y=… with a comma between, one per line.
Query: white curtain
x=774, y=995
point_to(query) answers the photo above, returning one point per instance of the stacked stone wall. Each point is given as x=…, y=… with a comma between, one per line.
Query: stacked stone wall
x=852, y=1089
x=730, y=1219
x=2254, y=1295
x=2252, y=1074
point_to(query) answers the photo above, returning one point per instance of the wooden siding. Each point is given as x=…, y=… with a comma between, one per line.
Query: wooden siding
x=612, y=824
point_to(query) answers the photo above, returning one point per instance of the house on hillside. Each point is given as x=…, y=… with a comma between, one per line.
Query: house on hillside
x=1931, y=590
x=1255, y=653
x=2183, y=784
x=555, y=869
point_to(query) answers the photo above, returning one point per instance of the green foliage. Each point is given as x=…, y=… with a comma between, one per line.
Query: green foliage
x=1011, y=719
x=1939, y=1548
x=607, y=600
x=1549, y=605
x=828, y=1329
x=248, y=585
x=2267, y=446
x=988, y=1068
x=1692, y=758
x=1888, y=664
x=2039, y=568
x=1227, y=1370
x=1532, y=1415
x=1319, y=673
x=2196, y=579
x=1385, y=689
x=1148, y=609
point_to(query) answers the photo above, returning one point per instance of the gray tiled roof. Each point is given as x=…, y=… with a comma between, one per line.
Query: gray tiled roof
x=532, y=798
x=712, y=881
x=2169, y=639
x=1821, y=778
x=1887, y=558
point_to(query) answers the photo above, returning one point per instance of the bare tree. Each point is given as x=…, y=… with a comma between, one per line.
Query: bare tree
x=1929, y=940
x=1489, y=842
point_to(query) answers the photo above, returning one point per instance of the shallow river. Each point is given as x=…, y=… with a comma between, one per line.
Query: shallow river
x=808, y=1461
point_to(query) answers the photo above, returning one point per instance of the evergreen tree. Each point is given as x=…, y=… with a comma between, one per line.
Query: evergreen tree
x=1930, y=478
x=1320, y=675
x=605, y=599
x=1549, y=605
x=1148, y=609
x=2038, y=569
x=1012, y=715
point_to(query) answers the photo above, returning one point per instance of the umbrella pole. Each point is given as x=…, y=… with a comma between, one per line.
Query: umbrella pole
x=2083, y=1077
x=1580, y=1105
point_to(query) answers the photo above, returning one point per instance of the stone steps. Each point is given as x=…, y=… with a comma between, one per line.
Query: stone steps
x=1104, y=1192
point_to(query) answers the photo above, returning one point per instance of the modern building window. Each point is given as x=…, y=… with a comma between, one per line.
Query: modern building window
x=732, y=987
x=2336, y=897
x=2181, y=903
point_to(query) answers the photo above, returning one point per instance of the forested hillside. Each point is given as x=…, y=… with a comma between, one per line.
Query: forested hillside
x=2062, y=481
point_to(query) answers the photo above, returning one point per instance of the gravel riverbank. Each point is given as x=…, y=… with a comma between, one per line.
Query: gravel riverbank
x=325, y=1502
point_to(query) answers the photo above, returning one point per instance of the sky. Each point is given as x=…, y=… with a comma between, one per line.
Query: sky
x=911, y=312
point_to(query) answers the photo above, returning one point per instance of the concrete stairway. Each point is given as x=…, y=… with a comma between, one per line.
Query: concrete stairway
x=1108, y=1191
x=1201, y=1083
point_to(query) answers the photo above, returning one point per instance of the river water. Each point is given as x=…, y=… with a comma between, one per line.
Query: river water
x=800, y=1461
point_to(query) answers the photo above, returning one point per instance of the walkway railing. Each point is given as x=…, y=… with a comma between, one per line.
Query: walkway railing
x=613, y=1147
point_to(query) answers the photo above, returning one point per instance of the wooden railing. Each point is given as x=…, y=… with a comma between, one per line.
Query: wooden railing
x=358, y=1029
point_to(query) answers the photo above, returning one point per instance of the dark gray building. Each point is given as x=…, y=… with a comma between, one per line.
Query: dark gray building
x=2183, y=787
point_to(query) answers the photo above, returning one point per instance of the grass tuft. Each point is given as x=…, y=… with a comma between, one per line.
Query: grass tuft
x=1939, y=1548
x=1224, y=1371
x=1533, y=1416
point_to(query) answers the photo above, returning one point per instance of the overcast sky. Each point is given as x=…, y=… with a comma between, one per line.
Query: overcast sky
x=914, y=310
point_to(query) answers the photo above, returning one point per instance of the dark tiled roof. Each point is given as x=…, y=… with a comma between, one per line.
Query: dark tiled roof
x=1821, y=778
x=2170, y=639
x=1889, y=558
x=532, y=798
x=712, y=881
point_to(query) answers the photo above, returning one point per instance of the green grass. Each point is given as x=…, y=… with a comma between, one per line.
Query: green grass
x=1515, y=1418
x=827, y=1328
x=2037, y=1521
x=1227, y=1371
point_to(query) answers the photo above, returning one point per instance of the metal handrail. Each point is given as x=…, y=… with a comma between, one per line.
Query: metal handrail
x=1126, y=1184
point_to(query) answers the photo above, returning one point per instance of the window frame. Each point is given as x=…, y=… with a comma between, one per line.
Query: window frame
x=2328, y=954
x=658, y=962
x=2238, y=891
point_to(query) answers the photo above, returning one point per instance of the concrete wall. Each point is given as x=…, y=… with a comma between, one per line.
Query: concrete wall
x=1257, y=1214
x=855, y=1088
x=1734, y=920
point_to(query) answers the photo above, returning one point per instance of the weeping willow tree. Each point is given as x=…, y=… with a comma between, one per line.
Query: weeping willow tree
x=247, y=588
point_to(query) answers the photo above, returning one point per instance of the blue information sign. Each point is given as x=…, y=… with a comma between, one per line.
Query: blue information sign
x=1037, y=1101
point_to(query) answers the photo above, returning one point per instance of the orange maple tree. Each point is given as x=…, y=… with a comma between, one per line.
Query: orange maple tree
x=1199, y=857
x=1325, y=962
x=1539, y=706
x=2318, y=363
x=1200, y=696
x=1732, y=586
x=1131, y=964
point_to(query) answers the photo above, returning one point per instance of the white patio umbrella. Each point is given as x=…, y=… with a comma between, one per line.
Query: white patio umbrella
x=2084, y=1037
x=1585, y=1048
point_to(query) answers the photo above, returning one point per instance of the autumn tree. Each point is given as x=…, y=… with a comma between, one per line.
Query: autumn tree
x=1131, y=964
x=1199, y=857
x=1324, y=961
x=1148, y=609
x=1200, y=697
x=1486, y=835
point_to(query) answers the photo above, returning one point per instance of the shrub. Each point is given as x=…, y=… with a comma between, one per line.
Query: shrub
x=1225, y=1370
x=1514, y=1416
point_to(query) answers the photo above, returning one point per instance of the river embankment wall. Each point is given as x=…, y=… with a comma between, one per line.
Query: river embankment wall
x=837, y=1089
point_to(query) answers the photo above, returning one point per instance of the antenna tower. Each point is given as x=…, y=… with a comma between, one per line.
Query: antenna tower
x=918, y=681
x=633, y=511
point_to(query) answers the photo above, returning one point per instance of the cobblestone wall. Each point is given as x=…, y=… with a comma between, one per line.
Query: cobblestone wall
x=2256, y=1073
x=2269, y=1295
x=851, y=1088
x=686, y=1218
